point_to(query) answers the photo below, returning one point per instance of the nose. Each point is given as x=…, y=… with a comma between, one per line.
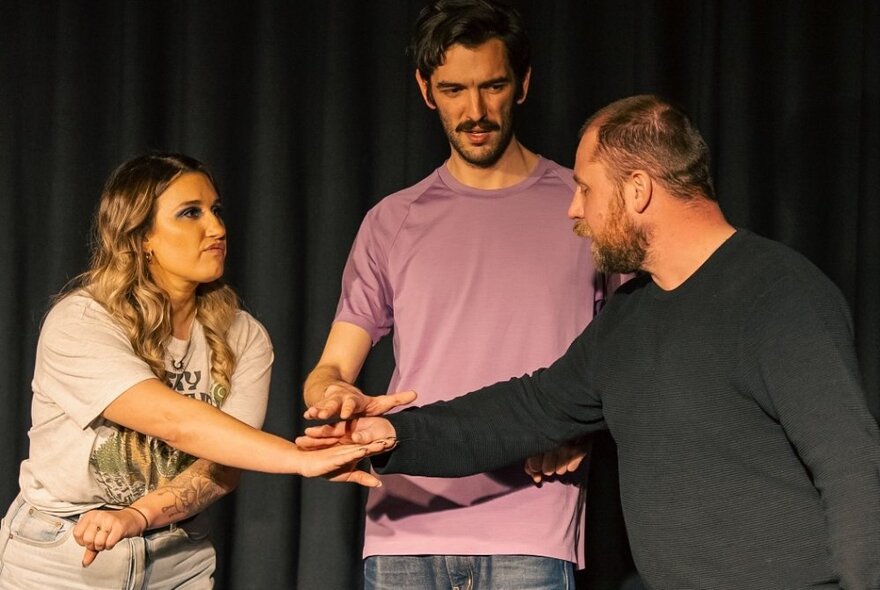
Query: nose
x=476, y=105
x=576, y=208
x=214, y=225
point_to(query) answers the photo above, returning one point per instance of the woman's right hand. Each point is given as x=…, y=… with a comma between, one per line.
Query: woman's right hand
x=339, y=462
x=101, y=529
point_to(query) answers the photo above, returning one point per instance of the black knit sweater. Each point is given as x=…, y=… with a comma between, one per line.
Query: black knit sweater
x=748, y=457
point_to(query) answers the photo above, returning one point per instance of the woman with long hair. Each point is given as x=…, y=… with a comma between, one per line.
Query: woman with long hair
x=149, y=388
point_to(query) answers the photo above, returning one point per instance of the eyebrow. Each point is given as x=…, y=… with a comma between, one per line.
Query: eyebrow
x=194, y=202
x=490, y=82
x=578, y=180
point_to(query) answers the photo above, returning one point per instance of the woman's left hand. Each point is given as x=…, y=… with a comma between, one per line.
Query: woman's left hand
x=100, y=529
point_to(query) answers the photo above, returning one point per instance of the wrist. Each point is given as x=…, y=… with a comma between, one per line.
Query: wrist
x=141, y=515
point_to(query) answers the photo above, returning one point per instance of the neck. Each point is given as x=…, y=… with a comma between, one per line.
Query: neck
x=514, y=166
x=681, y=248
x=183, y=310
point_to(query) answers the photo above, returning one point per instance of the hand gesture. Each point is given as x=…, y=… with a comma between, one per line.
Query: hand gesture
x=559, y=461
x=338, y=462
x=363, y=431
x=343, y=400
x=101, y=529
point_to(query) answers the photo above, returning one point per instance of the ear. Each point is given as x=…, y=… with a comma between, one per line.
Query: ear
x=640, y=189
x=525, y=87
x=425, y=88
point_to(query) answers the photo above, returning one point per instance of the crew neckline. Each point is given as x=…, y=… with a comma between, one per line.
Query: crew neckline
x=460, y=188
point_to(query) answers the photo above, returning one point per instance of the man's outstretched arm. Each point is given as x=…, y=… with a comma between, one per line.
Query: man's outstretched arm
x=329, y=390
x=486, y=429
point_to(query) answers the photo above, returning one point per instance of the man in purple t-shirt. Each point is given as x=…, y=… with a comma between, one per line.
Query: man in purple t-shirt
x=475, y=271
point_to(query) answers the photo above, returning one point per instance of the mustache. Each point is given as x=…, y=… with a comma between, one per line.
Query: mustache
x=483, y=125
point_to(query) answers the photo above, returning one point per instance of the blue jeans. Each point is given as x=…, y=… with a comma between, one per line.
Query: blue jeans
x=467, y=572
x=38, y=551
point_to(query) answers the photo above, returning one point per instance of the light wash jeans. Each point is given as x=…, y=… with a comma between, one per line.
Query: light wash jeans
x=38, y=551
x=467, y=572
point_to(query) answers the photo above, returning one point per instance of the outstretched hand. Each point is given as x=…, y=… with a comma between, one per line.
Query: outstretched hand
x=363, y=431
x=344, y=401
x=101, y=529
x=338, y=462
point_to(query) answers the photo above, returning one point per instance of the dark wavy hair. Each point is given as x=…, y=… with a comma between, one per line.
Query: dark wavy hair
x=470, y=23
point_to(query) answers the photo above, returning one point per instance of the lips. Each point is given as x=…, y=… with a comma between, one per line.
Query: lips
x=478, y=136
x=219, y=248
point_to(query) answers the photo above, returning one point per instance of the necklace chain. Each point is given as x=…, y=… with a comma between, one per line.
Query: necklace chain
x=180, y=364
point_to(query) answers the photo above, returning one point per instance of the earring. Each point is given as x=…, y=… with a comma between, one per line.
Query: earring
x=149, y=257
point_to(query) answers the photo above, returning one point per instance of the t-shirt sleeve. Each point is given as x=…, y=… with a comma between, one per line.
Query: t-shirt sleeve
x=366, y=296
x=84, y=360
x=249, y=387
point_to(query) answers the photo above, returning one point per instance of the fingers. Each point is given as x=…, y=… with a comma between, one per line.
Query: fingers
x=551, y=462
x=532, y=467
x=324, y=409
x=100, y=530
x=345, y=401
x=574, y=463
x=368, y=430
x=96, y=539
x=308, y=443
x=359, y=477
x=381, y=404
x=89, y=557
x=336, y=430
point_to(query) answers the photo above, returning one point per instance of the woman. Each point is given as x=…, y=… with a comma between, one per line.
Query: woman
x=132, y=371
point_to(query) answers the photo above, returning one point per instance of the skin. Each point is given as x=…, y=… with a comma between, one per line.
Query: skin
x=188, y=244
x=474, y=92
x=683, y=234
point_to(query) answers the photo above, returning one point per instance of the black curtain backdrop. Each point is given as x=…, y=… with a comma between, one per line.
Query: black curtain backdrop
x=308, y=114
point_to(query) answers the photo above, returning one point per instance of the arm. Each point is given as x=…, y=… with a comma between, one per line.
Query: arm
x=197, y=428
x=188, y=494
x=486, y=429
x=807, y=374
x=568, y=457
x=329, y=389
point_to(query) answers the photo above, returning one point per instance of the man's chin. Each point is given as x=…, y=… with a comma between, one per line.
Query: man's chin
x=582, y=231
x=484, y=158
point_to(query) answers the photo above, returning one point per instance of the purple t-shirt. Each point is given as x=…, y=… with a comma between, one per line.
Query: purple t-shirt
x=477, y=286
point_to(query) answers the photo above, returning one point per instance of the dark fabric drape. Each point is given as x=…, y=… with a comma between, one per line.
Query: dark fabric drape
x=308, y=114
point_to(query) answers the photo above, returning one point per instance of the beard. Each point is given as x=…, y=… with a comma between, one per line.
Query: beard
x=487, y=155
x=622, y=247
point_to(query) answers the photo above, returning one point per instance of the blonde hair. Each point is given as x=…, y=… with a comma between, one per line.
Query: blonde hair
x=119, y=278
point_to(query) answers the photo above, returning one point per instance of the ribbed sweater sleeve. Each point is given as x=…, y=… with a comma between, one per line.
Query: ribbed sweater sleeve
x=803, y=366
x=500, y=424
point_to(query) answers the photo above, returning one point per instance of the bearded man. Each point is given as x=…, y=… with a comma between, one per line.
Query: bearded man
x=726, y=374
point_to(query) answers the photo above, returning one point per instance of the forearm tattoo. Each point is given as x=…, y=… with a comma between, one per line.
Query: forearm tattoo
x=194, y=490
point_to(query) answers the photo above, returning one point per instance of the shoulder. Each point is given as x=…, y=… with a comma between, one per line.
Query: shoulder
x=784, y=282
x=383, y=222
x=247, y=332
x=558, y=173
x=395, y=206
x=77, y=308
x=766, y=262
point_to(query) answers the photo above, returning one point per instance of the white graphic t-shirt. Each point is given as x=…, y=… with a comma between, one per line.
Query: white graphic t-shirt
x=78, y=460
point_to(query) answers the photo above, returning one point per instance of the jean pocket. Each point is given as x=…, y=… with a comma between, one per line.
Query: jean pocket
x=36, y=527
